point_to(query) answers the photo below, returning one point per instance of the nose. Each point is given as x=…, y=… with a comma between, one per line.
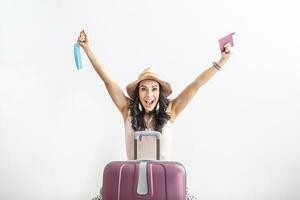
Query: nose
x=148, y=93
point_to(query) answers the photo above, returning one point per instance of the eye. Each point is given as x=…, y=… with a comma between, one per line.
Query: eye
x=143, y=89
x=154, y=89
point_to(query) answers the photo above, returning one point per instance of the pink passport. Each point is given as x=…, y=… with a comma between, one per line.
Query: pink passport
x=227, y=39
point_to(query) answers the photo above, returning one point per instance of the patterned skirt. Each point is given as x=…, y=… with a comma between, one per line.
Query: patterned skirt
x=189, y=196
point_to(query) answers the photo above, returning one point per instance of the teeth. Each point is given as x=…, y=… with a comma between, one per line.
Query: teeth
x=149, y=102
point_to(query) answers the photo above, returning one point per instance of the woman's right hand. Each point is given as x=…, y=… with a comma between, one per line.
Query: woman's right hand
x=83, y=40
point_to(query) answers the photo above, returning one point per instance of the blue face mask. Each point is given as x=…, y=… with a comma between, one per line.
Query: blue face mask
x=77, y=56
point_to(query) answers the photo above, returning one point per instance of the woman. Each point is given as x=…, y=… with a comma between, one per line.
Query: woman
x=147, y=107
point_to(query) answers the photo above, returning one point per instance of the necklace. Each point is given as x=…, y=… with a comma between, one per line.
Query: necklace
x=148, y=121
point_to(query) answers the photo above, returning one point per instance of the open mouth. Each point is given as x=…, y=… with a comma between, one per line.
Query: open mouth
x=149, y=103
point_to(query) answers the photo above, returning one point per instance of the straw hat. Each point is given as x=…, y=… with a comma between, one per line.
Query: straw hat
x=148, y=73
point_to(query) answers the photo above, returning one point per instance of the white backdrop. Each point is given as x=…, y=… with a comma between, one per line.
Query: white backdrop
x=238, y=138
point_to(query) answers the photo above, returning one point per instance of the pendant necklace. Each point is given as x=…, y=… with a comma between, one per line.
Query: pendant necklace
x=148, y=122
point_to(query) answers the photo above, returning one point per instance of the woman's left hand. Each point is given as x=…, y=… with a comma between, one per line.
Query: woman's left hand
x=225, y=55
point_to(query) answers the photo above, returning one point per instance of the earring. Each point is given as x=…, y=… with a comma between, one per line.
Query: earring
x=157, y=107
x=140, y=107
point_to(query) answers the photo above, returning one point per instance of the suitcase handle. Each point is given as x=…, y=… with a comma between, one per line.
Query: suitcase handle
x=139, y=134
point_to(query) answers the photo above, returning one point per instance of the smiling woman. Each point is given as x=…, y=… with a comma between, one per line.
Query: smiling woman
x=148, y=106
x=148, y=94
x=149, y=100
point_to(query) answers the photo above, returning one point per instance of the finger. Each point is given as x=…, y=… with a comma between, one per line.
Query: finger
x=81, y=35
x=83, y=38
x=227, y=45
x=80, y=39
x=228, y=52
x=83, y=32
x=228, y=48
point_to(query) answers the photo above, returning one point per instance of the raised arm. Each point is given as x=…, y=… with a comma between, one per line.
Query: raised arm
x=120, y=100
x=182, y=100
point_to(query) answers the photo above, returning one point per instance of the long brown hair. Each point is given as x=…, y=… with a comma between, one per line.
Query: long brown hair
x=161, y=116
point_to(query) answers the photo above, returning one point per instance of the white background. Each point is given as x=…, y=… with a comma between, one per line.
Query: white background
x=238, y=138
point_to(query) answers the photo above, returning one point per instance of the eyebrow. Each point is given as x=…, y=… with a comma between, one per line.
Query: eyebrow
x=152, y=86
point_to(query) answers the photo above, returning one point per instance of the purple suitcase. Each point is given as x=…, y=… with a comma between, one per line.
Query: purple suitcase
x=144, y=179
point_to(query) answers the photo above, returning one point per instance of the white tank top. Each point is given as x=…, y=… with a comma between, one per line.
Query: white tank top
x=146, y=148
